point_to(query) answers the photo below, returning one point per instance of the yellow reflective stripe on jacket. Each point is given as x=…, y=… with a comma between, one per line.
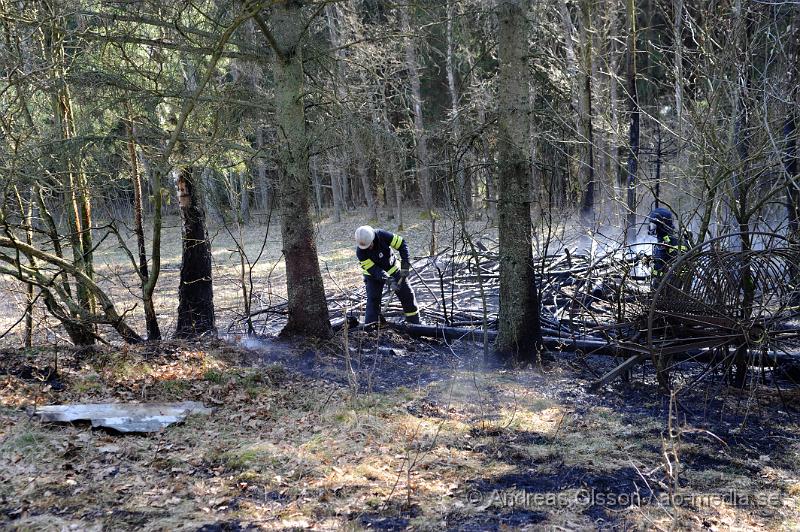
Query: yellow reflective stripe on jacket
x=396, y=241
x=393, y=269
x=366, y=265
x=411, y=313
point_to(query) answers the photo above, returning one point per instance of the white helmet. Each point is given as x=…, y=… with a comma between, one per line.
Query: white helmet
x=364, y=236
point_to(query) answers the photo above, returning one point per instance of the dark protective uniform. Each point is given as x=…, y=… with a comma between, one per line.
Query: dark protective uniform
x=375, y=261
x=667, y=246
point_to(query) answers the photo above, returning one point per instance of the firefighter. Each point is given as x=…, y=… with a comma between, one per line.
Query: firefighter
x=376, y=253
x=667, y=245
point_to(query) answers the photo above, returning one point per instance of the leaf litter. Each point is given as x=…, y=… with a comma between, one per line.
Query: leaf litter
x=415, y=436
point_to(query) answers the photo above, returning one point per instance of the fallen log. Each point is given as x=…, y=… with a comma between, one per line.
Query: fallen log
x=595, y=346
x=551, y=343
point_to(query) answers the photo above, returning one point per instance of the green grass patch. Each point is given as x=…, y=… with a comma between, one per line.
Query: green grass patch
x=253, y=459
x=173, y=388
x=87, y=384
x=215, y=376
x=29, y=441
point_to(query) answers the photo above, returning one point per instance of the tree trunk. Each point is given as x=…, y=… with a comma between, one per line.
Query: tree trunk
x=363, y=165
x=580, y=72
x=677, y=37
x=463, y=186
x=741, y=120
x=26, y=213
x=487, y=165
x=337, y=160
x=520, y=331
x=398, y=201
x=149, y=287
x=195, y=292
x=396, y=151
x=316, y=184
x=587, y=153
x=336, y=189
x=615, y=168
x=308, y=309
x=76, y=194
x=791, y=164
x=244, y=197
x=422, y=162
x=633, y=117
x=264, y=185
x=151, y=321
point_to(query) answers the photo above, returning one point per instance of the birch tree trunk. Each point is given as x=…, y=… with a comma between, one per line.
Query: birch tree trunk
x=308, y=309
x=520, y=331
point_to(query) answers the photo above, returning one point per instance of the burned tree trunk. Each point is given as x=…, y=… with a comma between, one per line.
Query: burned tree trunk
x=195, y=293
x=520, y=331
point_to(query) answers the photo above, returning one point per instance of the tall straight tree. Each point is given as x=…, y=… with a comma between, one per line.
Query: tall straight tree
x=463, y=181
x=520, y=331
x=790, y=156
x=308, y=309
x=580, y=70
x=423, y=160
x=632, y=98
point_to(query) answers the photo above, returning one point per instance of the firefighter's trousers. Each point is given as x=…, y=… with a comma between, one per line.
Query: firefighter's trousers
x=404, y=293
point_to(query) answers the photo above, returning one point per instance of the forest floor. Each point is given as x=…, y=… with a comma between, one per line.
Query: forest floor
x=414, y=435
x=374, y=432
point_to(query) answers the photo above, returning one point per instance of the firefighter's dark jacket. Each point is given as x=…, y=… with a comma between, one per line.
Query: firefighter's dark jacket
x=379, y=259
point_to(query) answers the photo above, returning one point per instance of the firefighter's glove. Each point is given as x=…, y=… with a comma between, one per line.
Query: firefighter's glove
x=393, y=284
x=404, y=268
